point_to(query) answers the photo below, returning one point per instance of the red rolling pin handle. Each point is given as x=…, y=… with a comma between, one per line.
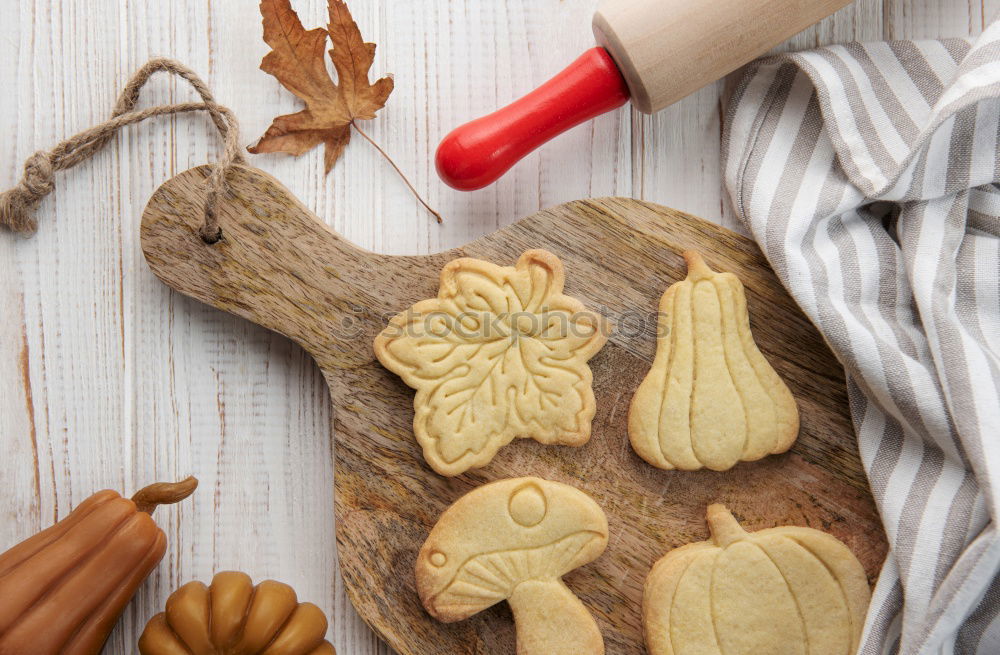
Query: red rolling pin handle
x=477, y=153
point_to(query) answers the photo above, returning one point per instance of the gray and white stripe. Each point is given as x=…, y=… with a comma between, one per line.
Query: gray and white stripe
x=869, y=175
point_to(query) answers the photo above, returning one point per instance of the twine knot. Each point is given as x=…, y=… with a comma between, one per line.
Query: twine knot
x=17, y=205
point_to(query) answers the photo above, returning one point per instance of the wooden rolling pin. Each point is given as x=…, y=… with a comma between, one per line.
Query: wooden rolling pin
x=652, y=52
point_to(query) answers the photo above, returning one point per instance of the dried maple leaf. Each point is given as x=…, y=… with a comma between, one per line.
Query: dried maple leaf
x=296, y=60
x=332, y=109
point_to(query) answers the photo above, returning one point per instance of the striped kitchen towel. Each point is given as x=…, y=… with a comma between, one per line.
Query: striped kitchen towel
x=868, y=175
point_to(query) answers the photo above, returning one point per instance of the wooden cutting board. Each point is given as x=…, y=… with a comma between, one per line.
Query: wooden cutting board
x=280, y=266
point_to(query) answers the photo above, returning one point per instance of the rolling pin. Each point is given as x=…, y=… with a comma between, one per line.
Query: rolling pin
x=652, y=52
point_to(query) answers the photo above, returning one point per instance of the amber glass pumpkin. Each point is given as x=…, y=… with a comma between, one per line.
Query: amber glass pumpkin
x=62, y=590
x=233, y=617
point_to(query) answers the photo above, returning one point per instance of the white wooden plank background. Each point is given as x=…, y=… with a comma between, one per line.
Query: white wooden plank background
x=107, y=379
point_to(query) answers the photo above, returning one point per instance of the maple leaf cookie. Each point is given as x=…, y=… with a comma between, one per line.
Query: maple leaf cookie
x=500, y=353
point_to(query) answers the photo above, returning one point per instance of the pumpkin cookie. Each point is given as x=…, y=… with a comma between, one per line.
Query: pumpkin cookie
x=500, y=353
x=782, y=590
x=710, y=399
x=513, y=540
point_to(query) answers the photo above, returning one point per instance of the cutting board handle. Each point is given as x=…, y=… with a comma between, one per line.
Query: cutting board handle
x=277, y=264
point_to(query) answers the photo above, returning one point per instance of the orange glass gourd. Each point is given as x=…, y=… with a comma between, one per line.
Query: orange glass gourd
x=62, y=590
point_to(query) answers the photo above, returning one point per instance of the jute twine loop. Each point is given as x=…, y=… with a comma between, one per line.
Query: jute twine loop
x=17, y=205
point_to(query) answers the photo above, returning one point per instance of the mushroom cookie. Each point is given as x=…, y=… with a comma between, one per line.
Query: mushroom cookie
x=782, y=591
x=500, y=353
x=710, y=399
x=513, y=540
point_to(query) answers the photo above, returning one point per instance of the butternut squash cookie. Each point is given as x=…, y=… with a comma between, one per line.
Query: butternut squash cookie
x=787, y=590
x=711, y=399
x=513, y=540
x=500, y=353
